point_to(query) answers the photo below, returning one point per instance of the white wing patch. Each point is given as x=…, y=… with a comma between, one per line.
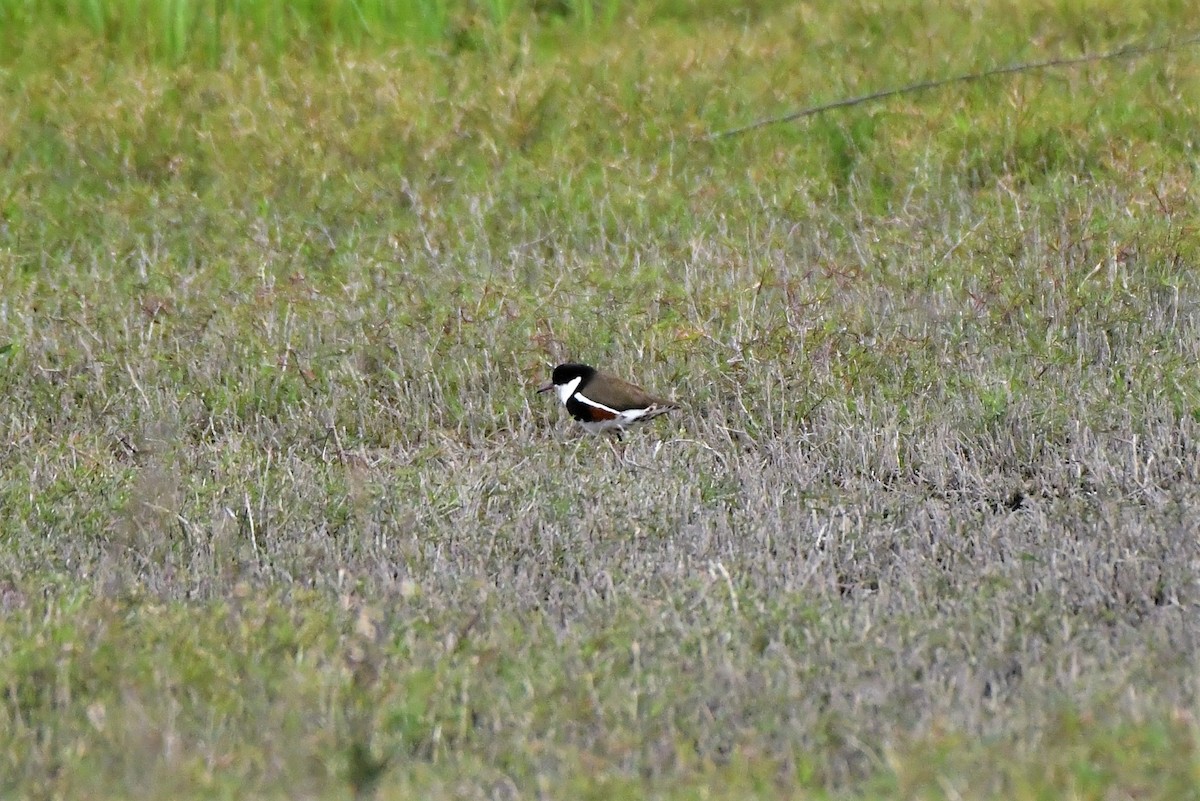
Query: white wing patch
x=621, y=420
x=600, y=406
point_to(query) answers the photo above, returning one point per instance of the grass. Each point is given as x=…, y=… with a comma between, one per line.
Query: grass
x=283, y=517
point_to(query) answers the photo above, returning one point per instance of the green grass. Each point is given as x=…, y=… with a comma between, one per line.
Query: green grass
x=282, y=517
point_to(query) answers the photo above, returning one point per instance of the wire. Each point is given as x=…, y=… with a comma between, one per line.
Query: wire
x=1129, y=51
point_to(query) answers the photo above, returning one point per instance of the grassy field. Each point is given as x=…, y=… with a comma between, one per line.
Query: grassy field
x=281, y=517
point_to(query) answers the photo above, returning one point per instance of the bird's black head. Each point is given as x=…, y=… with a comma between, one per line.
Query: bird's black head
x=566, y=373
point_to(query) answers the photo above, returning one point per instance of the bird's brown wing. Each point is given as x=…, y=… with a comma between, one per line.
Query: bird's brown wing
x=622, y=396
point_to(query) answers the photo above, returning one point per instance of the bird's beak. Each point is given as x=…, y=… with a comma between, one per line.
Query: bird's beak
x=549, y=385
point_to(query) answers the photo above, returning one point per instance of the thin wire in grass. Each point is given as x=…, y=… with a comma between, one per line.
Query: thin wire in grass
x=1128, y=51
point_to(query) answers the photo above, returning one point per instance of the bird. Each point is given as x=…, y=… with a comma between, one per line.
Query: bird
x=603, y=402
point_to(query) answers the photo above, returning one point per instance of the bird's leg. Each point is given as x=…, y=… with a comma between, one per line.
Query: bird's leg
x=616, y=434
x=619, y=451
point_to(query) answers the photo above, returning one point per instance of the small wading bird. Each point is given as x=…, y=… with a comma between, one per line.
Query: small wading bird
x=601, y=402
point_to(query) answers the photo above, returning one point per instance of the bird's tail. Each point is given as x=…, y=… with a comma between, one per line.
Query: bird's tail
x=659, y=408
